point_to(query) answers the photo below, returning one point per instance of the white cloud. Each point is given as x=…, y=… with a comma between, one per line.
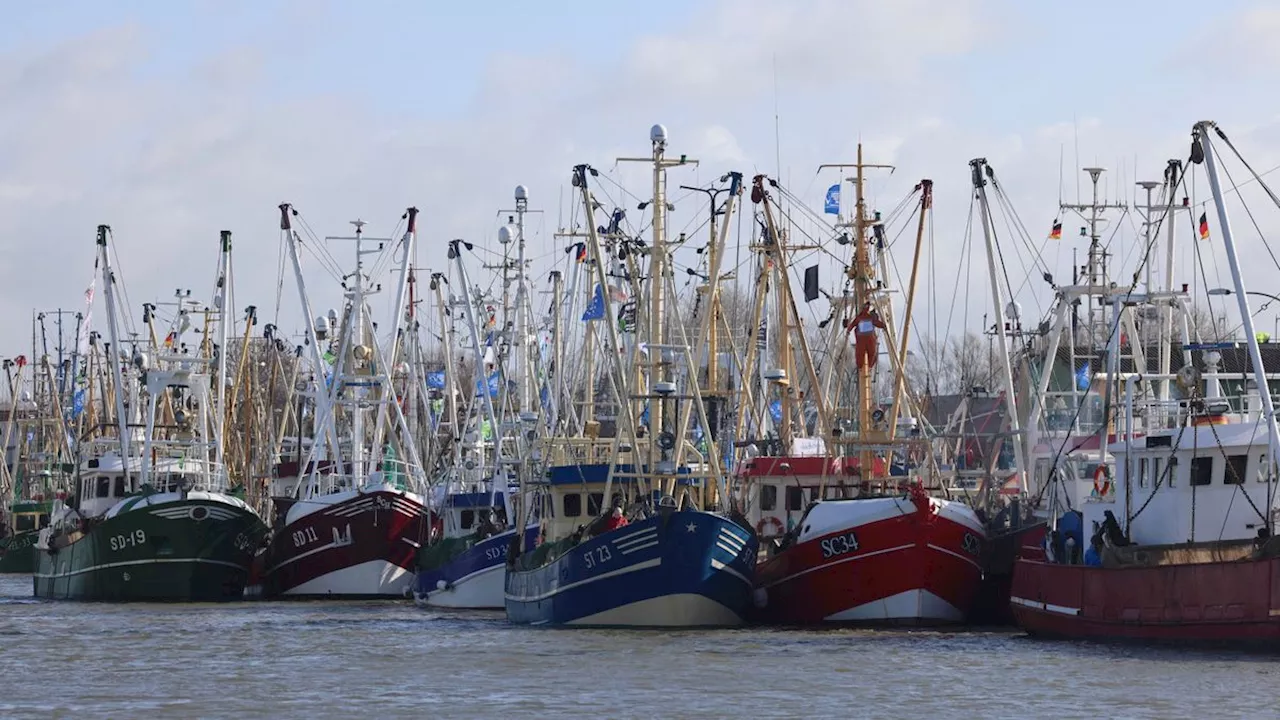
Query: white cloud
x=90, y=134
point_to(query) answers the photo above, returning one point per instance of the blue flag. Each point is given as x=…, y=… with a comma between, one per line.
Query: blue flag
x=595, y=310
x=833, y=200
x=494, y=383
x=435, y=380
x=775, y=411
x=77, y=403
x=1082, y=377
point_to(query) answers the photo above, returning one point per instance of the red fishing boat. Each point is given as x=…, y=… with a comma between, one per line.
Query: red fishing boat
x=1181, y=546
x=903, y=559
x=357, y=543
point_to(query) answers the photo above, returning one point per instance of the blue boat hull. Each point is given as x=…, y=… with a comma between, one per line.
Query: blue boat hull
x=678, y=569
x=472, y=580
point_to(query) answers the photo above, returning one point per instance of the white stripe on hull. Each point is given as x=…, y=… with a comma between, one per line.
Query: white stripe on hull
x=376, y=577
x=919, y=605
x=481, y=590
x=148, y=561
x=682, y=610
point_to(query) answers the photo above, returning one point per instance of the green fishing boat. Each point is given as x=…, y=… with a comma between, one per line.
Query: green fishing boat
x=17, y=548
x=179, y=539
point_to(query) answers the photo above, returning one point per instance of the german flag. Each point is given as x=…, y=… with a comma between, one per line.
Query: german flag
x=582, y=252
x=1056, y=232
x=1204, y=226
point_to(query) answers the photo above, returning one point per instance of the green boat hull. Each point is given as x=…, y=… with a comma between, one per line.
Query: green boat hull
x=184, y=551
x=17, y=553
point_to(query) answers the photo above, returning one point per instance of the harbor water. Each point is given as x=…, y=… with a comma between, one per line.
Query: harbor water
x=390, y=660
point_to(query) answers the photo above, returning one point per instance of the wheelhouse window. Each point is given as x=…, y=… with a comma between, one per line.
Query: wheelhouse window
x=1201, y=471
x=1263, y=469
x=119, y=489
x=572, y=505
x=1237, y=467
x=595, y=503
x=795, y=498
x=1142, y=472
x=768, y=497
x=1171, y=472
x=103, y=487
x=467, y=519
x=24, y=522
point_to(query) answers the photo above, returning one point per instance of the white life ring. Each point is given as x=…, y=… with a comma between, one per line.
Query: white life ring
x=773, y=522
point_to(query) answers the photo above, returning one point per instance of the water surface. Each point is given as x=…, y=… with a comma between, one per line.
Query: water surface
x=391, y=660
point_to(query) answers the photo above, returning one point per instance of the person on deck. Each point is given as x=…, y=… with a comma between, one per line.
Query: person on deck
x=866, y=343
x=616, y=520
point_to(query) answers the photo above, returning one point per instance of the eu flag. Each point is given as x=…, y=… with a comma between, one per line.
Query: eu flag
x=833, y=200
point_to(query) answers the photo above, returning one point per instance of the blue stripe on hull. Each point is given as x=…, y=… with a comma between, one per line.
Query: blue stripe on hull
x=685, y=569
x=486, y=554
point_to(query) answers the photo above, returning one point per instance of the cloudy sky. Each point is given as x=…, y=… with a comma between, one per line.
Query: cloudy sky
x=171, y=121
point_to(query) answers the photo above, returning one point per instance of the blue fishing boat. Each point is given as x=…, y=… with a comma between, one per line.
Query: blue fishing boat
x=669, y=568
x=465, y=568
x=626, y=504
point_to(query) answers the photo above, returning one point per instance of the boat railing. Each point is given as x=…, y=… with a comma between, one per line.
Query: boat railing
x=401, y=475
x=580, y=451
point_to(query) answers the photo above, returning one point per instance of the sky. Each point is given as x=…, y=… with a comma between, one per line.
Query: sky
x=171, y=121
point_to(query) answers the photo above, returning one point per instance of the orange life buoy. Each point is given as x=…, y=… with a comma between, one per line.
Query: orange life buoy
x=769, y=522
x=1102, y=480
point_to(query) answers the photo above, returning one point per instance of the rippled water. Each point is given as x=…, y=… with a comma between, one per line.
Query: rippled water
x=390, y=659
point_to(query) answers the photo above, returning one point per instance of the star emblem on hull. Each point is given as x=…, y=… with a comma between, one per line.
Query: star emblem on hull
x=691, y=527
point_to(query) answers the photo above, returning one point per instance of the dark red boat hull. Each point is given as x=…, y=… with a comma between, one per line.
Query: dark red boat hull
x=1220, y=602
x=364, y=546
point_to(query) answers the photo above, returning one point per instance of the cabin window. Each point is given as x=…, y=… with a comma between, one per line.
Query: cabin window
x=1262, y=468
x=119, y=486
x=104, y=487
x=1237, y=467
x=1172, y=472
x=595, y=503
x=768, y=497
x=1201, y=470
x=44, y=520
x=468, y=519
x=24, y=522
x=1142, y=472
x=813, y=494
x=795, y=498
x=1156, y=466
x=572, y=505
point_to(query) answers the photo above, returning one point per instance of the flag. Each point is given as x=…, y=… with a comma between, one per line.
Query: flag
x=627, y=317
x=82, y=336
x=20, y=361
x=833, y=200
x=775, y=411
x=762, y=334
x=168, y=339
x=1082, y=377
x=595, y=310
x=811, y=283
x=1204, y=226
x=1056, y=232
x=435, y=380
x=77, y=403
x=582, y=252
x=494, y=384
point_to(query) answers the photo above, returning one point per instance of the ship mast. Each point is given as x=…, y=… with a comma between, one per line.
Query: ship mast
x=658, y=271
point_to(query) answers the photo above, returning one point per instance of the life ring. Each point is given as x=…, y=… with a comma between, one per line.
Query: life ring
x=770, y=522
x=1102, y=481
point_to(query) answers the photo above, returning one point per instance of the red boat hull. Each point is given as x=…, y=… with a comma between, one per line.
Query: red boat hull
x=916, y=566
x=363, y=545
x=1222, y=602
